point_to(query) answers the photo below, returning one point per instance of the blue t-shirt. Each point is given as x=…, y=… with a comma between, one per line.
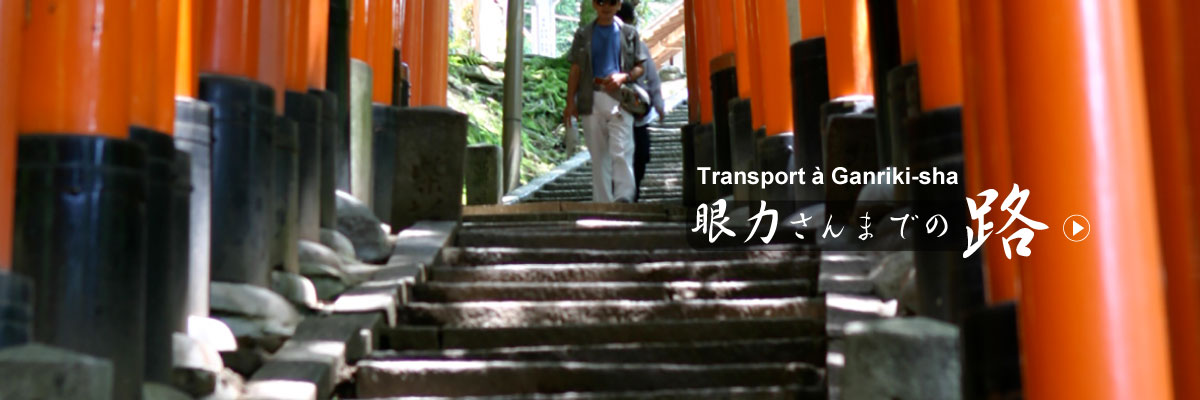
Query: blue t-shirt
x=606, y=50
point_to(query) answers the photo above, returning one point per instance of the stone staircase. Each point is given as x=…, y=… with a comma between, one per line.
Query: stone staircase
x=555, y=298
x=609, y=308
x=663, y=183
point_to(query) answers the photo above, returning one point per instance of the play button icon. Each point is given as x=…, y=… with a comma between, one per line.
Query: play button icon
x=1077, y=228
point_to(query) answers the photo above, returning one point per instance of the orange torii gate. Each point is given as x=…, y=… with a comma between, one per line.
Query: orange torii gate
x=11, y=13
x=1094, y=317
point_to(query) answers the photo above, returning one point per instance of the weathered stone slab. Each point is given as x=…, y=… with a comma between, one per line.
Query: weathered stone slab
x=483, y=174
x=158, y=391
x=429, y=167
x=843, y=309
x=34, y=372
x=309, y=364
x=466, y=256
x=251, y=311
x=665, y=271
x=564, y=291
x=474, y=378
x=519, y=313
x=791, y=392
x=359, y=224
x=905, y=358
x=807, y=350
x=362, y=142
x=421, y=337
x=421, y=243
x=642, y=238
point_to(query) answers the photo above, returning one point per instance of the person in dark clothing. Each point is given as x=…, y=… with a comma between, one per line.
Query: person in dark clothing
x=641, y=125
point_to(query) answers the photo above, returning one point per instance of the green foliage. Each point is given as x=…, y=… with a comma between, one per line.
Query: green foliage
x=477, y=88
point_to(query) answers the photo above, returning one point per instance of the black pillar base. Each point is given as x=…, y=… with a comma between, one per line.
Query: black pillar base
x=742, y=147
x=337, y=81
x=687, y=136
x=775, y=155
x=704, y=156
x=724, y=89
x=285, y=213
x=991, y=353
x=328, y=167
x=242, y=153
x=885, y=56
x=849, y=140
x=79, y=235
x=16, y=310
x=810, y=90
x=193, y=135
x=949, y=285
x=161, y=271
x=383, y=159
x=306, y=109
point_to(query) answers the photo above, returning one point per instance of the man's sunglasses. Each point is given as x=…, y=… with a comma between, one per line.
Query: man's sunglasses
x=608, y=2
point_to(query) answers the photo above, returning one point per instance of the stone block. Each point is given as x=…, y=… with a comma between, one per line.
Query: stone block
x=422, y=243
x=362, y=227
x=429, y=167
x=36, y=371
x=483, y=174
x=362, y=142
x=904, y=358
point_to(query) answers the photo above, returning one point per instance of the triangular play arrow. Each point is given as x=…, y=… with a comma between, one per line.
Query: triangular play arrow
x=1075, y=228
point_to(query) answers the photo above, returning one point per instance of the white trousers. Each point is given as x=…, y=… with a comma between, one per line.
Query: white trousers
x=609, y=134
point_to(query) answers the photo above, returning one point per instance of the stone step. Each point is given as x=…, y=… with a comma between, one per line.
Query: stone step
x=647, y=181
x=487, y=378
x=433, y=338
x=806, y=268
x=489, y=314
x=440, y=292
x=673, y=199
x=805, y=350
x=574, y=193
x=665, y=237
x=469, y=256
x=580, y=189
x=792, y=392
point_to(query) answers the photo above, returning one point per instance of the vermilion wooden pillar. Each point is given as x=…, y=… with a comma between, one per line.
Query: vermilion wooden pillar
x=91, y=96
x=273, y=46
x=379, y=50
x=741, y=35
x=318, y=43
x=187, y=78
x=1190, y=84
x=812, y=19
x=908, y=30
x=746, y=40
x=775, y=64
x=221, y=40
x=141, y=65
x=725, y=24
x=986, y=149
x=413, y=48
x=848, y=48
x=1092, y=320
x=166, y=33
x=297, y=46
x=11, y=12
x=707, y=40
x=939, y=53
x=1169, y=138
x=435, y=53
x=359, y=37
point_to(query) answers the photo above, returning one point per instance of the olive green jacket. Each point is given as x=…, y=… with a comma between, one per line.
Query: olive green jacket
x=633, y=53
